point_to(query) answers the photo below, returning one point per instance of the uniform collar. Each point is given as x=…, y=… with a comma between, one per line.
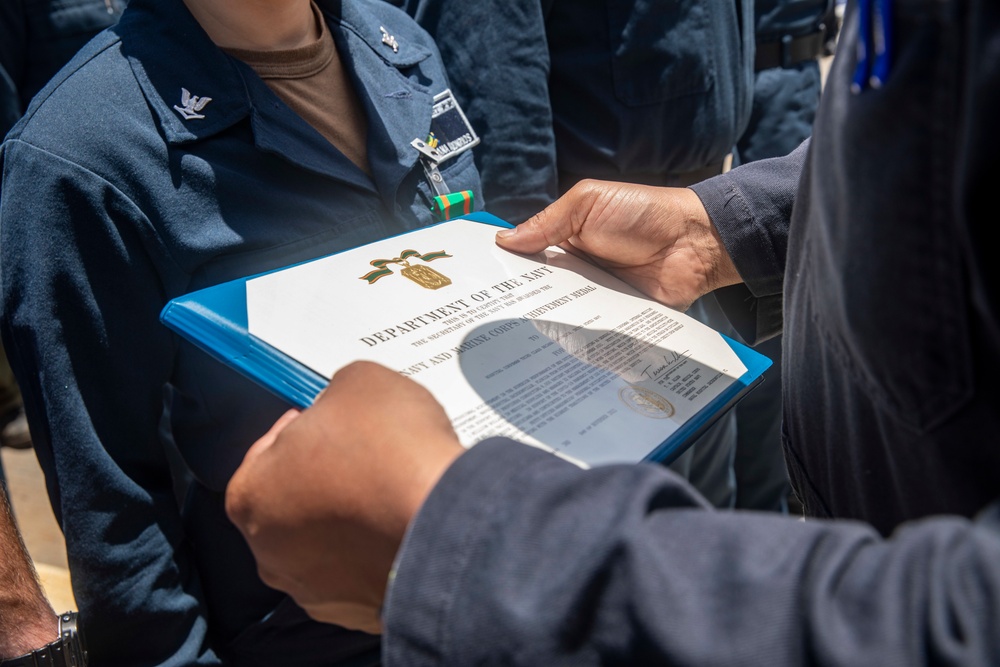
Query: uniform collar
x=170, y=53
x=380, y=34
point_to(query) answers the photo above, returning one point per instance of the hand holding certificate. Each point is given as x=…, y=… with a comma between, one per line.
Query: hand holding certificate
x=548, y=349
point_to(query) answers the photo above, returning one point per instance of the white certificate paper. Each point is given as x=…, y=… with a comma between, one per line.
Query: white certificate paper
x=546, y=349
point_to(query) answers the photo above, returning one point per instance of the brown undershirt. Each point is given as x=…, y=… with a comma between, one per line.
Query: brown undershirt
x=312, y=81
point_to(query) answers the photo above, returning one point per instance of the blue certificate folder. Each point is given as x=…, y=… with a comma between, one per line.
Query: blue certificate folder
x=216, y=320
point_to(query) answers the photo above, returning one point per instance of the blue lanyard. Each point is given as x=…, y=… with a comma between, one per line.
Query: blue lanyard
x=874, y=44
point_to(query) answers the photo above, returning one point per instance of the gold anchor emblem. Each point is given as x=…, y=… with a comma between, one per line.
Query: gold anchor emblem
x=421, y=274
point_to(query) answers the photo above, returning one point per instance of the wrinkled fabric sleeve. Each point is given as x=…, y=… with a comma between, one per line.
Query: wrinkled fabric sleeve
x=751, y=206
x=80, y=324
x=497, y=60
x=521, y=558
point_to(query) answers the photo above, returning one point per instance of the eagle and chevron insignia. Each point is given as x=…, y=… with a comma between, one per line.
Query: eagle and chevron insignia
x=191, y=105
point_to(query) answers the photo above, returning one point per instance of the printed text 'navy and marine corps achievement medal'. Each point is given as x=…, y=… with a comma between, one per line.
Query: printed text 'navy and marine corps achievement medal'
x=421, y=274
x=450, y=135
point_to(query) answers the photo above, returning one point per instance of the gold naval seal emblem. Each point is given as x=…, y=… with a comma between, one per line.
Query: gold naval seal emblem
x=646, y=402
x=424, y=276
x=421, y=274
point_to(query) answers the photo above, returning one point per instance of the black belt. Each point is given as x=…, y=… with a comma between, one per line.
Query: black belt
x=789, y=51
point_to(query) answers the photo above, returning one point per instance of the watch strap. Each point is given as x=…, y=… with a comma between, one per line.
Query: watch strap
x=66, y=651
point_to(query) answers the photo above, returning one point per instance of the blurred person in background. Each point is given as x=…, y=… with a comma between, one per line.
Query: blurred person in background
x=191, y=143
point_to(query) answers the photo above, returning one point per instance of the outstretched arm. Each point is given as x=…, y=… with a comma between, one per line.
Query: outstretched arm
x=727, y=234
x=520, y=558
x=660, y=240
x=506, y=554
x=27, y=621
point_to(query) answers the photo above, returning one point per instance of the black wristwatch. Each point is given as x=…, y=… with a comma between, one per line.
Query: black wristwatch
x=67, y=651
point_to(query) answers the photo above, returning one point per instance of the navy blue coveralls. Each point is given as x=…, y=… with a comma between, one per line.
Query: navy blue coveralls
x=37, y=37
x=870, y=246
x=113, y=202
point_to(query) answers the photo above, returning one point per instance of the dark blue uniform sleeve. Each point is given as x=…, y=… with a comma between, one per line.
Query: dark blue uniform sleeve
x=521, y=558
x=751, y=206
x=497, y=58
x=80, y=325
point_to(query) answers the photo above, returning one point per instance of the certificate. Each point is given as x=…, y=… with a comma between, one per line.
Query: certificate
x=547, y=349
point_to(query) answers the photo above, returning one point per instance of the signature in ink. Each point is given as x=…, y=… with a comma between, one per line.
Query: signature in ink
x=670, y=360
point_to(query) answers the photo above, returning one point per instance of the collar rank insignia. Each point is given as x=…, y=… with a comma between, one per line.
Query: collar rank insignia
x=191, y=105
x=389, y=40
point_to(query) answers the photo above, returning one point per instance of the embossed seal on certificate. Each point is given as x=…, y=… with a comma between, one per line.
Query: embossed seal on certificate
x=646, y=402
x=425, y=276
x=421, y=274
